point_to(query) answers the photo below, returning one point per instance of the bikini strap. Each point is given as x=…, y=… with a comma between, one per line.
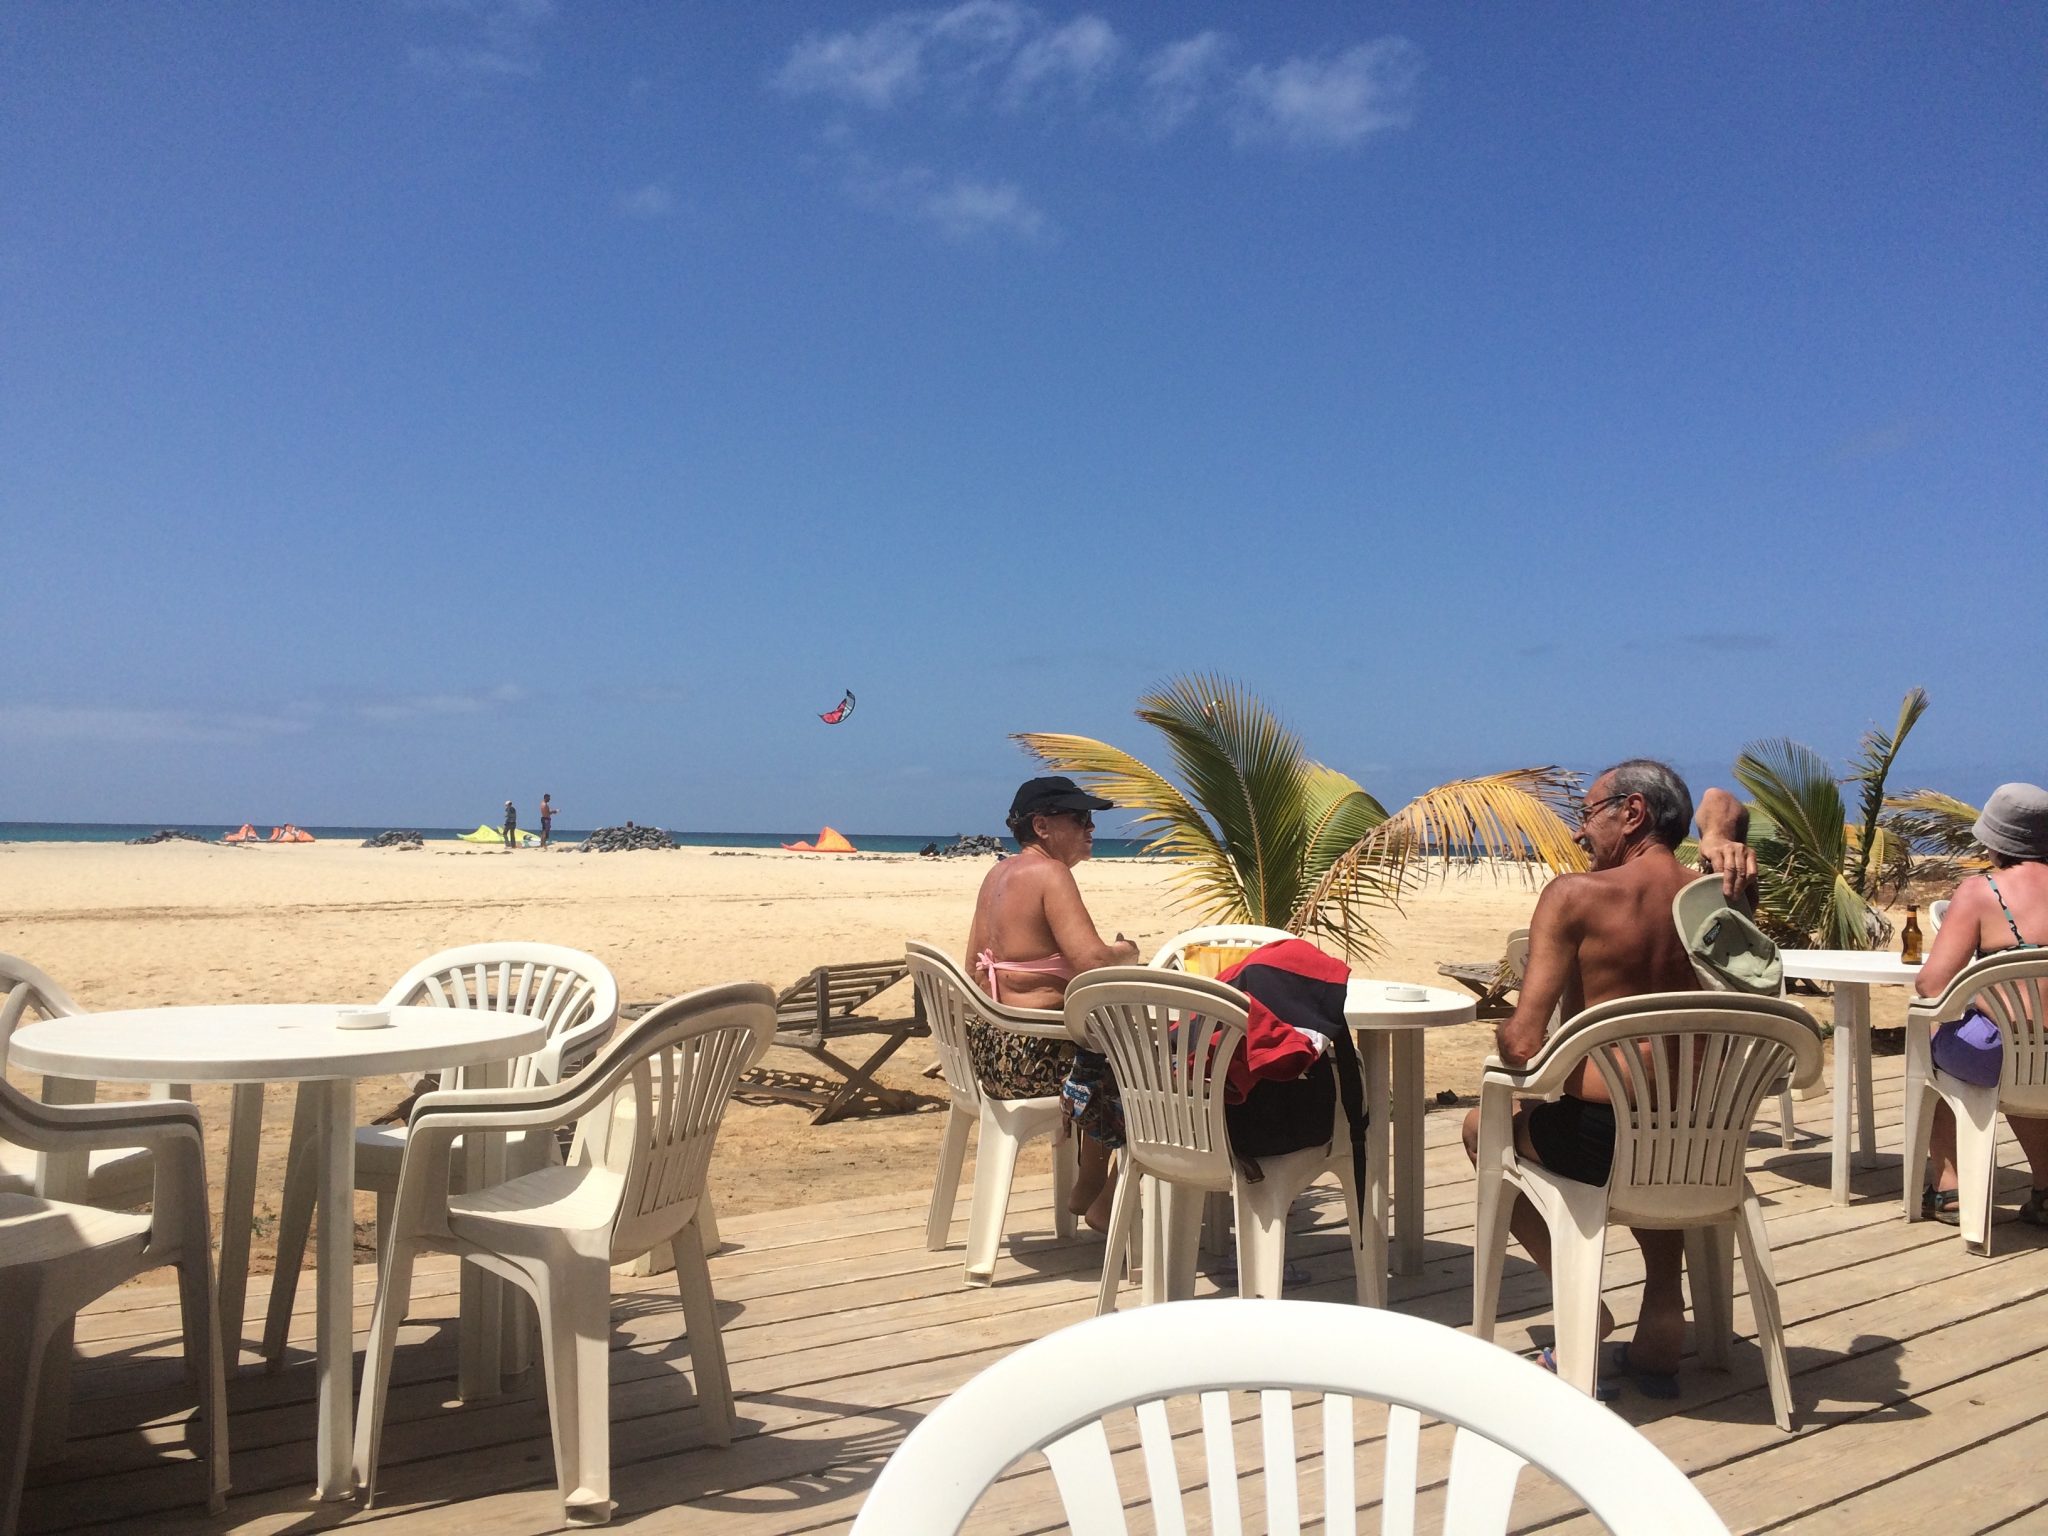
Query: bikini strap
x=2015, y=927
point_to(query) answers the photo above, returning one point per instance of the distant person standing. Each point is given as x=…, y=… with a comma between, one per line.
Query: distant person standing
x=511, y=824
x=547, y=818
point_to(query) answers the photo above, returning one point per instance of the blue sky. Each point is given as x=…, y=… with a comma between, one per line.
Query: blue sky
x=406, y=406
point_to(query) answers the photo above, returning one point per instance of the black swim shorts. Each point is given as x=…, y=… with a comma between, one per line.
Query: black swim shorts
x=1574, y=1138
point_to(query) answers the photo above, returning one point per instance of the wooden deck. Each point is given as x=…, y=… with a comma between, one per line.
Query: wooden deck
x=842, y=1330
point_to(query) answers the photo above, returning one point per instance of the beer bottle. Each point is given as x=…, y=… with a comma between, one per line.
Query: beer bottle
x=1909, y=937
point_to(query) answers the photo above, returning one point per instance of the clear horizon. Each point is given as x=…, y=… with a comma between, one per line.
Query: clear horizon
x=406, y=405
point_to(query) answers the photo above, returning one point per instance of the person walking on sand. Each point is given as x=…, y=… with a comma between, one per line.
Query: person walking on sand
x=547, y=818
x=511, y=824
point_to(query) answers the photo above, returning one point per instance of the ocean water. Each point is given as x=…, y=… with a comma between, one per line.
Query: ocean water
x=866, y=842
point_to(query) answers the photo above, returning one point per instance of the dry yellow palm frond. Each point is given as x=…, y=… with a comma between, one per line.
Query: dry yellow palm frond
x=1516, y=816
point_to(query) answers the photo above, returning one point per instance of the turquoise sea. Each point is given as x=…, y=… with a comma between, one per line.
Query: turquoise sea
x=866, y=842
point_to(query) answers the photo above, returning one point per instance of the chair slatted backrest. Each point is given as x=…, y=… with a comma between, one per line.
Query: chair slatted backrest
x=2011, y=989
x=680, y=1064
x=1171, y=955
x=564, y=988
x=1686, y=1073
x=27, y=994
x=1056, y=1395
x=949, y=1000
x=1169, y=1039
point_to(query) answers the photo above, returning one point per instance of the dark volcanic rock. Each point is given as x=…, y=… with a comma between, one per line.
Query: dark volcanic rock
x=626, y=839
x=966, y=848
x=166, y=835
x=393, y=840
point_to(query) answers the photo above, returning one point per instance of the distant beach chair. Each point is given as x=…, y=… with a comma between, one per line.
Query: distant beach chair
x=832, y=1004
x=1493, y=982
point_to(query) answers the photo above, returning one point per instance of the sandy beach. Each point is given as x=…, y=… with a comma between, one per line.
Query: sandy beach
x=184, y=923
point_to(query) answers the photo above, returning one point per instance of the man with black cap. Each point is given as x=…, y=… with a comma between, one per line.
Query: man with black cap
x=1031, y=935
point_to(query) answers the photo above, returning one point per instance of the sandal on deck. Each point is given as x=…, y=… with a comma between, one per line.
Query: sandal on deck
x=1942, y=1205
x=1662, y=1385
x=2035, y=1211
x=1603, y=1391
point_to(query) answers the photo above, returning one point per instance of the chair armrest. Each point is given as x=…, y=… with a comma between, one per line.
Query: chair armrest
x=575, y=1046
x=62, y=1128
x=450, y=1111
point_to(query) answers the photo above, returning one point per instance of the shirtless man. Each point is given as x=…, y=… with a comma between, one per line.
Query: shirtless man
x=1599, y=936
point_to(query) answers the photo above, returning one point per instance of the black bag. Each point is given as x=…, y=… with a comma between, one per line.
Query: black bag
x=1278, y=1117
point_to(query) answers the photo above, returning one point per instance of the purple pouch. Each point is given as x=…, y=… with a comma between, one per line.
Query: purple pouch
x=1970, y=1048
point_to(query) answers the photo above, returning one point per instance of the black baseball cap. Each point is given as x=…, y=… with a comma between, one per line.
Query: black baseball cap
x=1054, y=792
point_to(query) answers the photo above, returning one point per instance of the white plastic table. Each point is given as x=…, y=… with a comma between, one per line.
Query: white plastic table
x=249, y=1045
x=1854, y=972
x=1388, y=1027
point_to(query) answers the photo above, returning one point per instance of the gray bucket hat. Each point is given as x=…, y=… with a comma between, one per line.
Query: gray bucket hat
x=2015, y=822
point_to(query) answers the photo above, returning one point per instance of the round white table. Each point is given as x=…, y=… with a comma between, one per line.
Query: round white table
x=1854, y=972
x=1392, y=1027
x=249, y=1045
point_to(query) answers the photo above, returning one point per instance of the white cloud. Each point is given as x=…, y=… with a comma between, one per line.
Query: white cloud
x=439, y=706
x=491, y=39
x=961, y=207
x=1180, y=76
x=1330, y=102
x=965, y=208
x=115, y=726
x=653, y=201
x=903, y=54
x=1075, y=58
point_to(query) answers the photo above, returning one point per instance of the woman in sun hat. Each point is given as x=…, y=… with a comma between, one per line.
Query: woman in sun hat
x=1032, y=935
x=2002, y=909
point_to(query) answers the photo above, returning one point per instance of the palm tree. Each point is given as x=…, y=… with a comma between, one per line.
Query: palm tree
x=1271, y=837
x=1819, y=876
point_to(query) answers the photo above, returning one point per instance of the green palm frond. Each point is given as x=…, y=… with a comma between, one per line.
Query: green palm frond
x=1872, y=767
x=1801, y=839
x=1935, y=823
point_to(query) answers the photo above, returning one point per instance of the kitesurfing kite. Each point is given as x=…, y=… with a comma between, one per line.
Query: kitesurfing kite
x=839, y=711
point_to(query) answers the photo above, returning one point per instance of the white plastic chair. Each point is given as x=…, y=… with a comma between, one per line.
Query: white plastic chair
x=1681, y=1129
x=119, y=1178
x=2013, y=990
x=1168, y=956
x=1937, y=913
x=1691, y=904
x=1056, y=1396
x=573, y=991
x=950, y=1000
x=555, y=1232
x=55, y=1257
x=1171, y=1078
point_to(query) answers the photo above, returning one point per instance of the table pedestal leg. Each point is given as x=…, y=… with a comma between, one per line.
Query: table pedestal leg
x=335, y=1104
x=1866, y=1113
x=1852, y=1091
x=1407, y=1126
x=1373, y=1050
x=480, y=1325
x=237, y=1212
x=59, y=1176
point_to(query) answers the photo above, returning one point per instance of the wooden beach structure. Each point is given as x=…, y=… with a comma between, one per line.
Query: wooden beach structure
x=1919, y=1373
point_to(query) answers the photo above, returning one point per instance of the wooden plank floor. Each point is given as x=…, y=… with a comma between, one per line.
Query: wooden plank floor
x=842, y=1330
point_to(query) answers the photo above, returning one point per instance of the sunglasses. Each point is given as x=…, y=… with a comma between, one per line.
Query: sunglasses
x=1591, y=807
x=1086, y=818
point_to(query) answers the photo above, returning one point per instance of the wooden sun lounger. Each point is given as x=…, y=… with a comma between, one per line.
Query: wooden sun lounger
x=1489, y=980
x=831, y=1004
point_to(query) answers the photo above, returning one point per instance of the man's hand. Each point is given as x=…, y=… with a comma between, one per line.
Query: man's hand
x=1724, y=847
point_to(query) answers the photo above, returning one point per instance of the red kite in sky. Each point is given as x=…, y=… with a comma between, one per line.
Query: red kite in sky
x=839, y=711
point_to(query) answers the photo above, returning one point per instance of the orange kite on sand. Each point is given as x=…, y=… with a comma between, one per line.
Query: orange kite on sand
x=246, y=835
x=828, y=841
x=289, y=834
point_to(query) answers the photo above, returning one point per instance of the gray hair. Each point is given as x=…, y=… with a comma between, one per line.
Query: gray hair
x=1663, y=791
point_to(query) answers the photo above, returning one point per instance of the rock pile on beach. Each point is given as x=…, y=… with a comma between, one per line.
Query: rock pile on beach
x=626, y=839
x=393, y=840
x=166, y=835
x=965, y=848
